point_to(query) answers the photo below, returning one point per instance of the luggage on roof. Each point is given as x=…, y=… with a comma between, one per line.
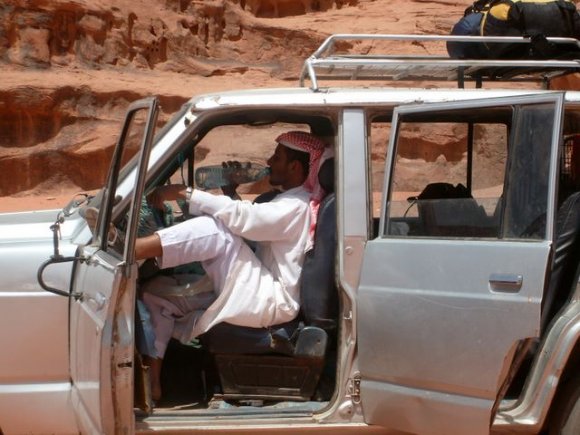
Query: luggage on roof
x=535, y=18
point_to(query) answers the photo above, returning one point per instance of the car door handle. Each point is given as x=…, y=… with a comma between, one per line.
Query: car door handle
x=506, y=282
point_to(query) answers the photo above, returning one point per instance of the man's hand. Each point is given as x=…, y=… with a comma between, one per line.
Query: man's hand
x=169, y=192
x=230, y=189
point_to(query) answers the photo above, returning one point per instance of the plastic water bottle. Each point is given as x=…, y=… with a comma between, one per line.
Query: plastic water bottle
x=216, y=176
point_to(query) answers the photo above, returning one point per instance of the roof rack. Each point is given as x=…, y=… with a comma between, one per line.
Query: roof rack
x=326, y=63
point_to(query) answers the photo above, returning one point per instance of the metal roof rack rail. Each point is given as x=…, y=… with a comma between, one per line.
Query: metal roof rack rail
x=326, y=63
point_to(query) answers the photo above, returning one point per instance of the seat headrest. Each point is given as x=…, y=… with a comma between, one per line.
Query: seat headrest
x=326, y=175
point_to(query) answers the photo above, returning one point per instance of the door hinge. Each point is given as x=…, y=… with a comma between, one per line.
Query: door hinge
x=354, y=388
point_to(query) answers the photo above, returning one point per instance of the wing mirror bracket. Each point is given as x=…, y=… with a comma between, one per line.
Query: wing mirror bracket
x=57, y=257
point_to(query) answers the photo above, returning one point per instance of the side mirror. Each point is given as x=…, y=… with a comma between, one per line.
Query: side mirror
x=73, y=206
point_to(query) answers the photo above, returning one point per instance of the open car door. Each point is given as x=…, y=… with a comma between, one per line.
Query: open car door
x=451, y=286
x=101, y=319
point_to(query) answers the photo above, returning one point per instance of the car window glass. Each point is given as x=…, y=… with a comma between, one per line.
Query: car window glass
x=223, y=143
x=449, y=178
x=241, y=143
x=379, y=133
x=133, y=140
x=528, y=173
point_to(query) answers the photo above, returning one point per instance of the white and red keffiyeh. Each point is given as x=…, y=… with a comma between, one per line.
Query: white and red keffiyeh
x=306, y=142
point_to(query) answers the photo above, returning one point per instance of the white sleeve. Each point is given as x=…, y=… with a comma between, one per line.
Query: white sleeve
x=270, y=221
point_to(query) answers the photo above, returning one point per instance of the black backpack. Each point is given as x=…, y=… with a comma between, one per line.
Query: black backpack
x=535, y=18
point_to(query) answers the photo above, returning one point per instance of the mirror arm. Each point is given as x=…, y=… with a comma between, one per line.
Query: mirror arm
x=56, y=260
x=55, y=228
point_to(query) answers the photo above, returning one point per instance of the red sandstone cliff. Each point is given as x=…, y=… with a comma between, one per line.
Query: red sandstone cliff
x=69, y=68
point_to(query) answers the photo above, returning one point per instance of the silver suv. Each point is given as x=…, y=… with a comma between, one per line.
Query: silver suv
x=441, y=297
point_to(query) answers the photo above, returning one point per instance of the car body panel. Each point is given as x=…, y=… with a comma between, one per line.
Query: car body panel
x=101, y=320
x=26, y=241
x=32, y=408
x=448, y=332
x=34, y=369
x=530, y=411
x=424, y=364
x=91, y=340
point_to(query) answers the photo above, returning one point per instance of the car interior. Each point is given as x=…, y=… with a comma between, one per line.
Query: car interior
x=289, y=367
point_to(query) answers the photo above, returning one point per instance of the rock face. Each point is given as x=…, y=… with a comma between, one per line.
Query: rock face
x=284, y=8
x=41, y=123
x=69, y=68
x=192, y=37
x=64, y=134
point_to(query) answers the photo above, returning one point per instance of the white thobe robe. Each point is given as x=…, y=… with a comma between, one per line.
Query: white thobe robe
x=252, y=289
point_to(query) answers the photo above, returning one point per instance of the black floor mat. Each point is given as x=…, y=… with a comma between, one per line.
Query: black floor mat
x=186, y=376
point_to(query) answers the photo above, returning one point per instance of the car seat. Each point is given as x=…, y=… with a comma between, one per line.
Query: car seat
x=450, y=211
x=286, y=361
x=565, y=266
